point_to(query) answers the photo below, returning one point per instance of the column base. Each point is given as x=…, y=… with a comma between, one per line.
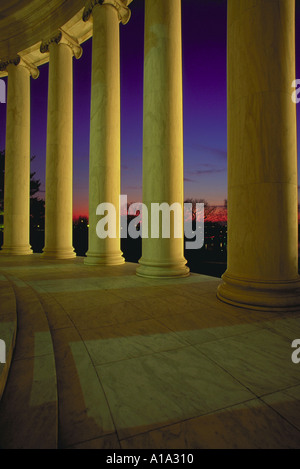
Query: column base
x=162, y=269
x=263, y=296
x=58, y=253
x=16, y=250
x=94, y=258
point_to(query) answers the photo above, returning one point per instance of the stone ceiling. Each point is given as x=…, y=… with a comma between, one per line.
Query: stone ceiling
x=25, y=23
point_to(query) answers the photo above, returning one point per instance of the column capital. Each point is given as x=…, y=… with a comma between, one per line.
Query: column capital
x=18, y=60
x=123, y=11
x=61, y=37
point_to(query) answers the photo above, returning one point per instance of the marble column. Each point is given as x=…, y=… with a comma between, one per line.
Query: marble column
x=59, y=160
x=104, y=170
x=17, y=157
x=262, y=270
x=163, y=135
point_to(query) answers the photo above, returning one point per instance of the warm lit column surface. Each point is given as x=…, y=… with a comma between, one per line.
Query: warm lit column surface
x=104, y=170
x=262, y=268
x=163, y=135
x=17, y=158
x=59, y=159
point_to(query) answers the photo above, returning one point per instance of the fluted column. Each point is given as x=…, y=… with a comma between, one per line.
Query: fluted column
x=17, y=157
x=104, y=179
x=262, y=268
x=59, y=159
x=163, y=134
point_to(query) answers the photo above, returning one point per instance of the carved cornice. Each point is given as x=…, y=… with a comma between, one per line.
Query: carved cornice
x=124, y=12
x=61, y=37
x=53, y=39
x=89, y=8
x=33, y=70
x=9, y=61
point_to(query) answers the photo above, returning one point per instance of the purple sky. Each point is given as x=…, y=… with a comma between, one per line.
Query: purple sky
x=204, y=92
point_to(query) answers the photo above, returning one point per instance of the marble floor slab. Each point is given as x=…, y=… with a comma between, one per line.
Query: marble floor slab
x=83, y=410
x=260, y=360
x=244, y=426
x=124, y=341
x=144, y=363
x=166, y=387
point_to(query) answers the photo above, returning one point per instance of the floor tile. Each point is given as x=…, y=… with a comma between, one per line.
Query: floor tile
x=286, y=403
x=134, y=339
x=286, y=327
x=261, y=360
x=105, y=442
x=245, y=426
x=163, y=388
x=205, y=325
x=28, y=408
x=83, y=409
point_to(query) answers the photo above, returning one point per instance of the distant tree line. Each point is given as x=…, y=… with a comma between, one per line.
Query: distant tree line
x=37, y=204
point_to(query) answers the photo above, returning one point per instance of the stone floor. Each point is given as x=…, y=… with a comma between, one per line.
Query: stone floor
x=105, y=359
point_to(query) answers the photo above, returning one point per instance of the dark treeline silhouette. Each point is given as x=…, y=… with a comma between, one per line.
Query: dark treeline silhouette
x=37, y=207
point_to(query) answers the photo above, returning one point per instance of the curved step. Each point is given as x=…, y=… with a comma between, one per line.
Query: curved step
x=8, y=329
x=84, y=417
x=29, y=409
